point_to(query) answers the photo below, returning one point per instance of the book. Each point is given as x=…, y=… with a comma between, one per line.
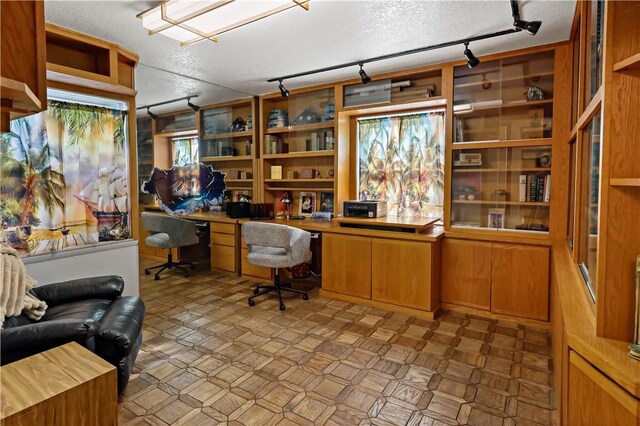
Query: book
x=522, y=186
x=540, y=188
x=547, y=188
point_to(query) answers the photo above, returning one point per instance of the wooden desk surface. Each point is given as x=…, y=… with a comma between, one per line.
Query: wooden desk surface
x=47, y=375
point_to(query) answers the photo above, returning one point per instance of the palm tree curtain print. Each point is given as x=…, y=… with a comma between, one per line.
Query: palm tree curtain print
x=64, y=179
x=401, y=161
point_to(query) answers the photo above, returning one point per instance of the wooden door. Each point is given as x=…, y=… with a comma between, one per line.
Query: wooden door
x=520, y=280
x=466, y=273
x=594, y=400
x=346, y=265
x=401, y=273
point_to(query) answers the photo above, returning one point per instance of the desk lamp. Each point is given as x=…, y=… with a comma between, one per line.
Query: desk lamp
x=286, y=200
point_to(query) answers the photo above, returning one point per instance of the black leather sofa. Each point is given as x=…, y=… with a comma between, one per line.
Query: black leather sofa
x=90, y=311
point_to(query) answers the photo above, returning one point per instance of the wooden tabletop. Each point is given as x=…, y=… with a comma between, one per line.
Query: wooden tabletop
x=30, y=381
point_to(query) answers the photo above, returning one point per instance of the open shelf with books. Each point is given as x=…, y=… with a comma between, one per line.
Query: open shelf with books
x=228, y=141
x=298, y=142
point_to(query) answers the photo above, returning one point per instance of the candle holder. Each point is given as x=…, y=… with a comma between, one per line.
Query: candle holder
x=634, y=348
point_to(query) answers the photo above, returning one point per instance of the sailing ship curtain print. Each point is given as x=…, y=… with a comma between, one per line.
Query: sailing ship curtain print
x=64, y=178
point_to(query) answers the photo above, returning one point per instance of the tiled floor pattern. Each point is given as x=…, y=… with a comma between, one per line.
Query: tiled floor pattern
x=209, y=359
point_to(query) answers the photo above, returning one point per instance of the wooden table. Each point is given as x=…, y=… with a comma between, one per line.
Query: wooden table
x=67, y=385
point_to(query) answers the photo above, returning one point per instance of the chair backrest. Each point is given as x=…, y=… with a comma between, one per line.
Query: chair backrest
x=295, y=241
x=181, y=231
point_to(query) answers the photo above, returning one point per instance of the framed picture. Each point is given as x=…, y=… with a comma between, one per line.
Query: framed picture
x=241, y=196
x=307, y=203
x=326, y=202
x=496, y=218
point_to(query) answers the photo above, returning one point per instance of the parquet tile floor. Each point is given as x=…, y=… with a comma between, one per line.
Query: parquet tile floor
x=209, y=359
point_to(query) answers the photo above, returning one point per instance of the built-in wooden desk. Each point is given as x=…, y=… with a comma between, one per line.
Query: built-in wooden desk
x=67, y=385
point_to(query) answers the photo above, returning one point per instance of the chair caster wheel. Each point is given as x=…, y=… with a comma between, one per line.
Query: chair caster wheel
x=256, y=291
x=251, y=302
x=157, y=278
x=147, y=272
x=282, y=307
x=305, y=297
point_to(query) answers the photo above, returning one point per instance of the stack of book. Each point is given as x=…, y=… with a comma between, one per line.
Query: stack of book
x=275, y=145
x=535, y=188
x=321, y=141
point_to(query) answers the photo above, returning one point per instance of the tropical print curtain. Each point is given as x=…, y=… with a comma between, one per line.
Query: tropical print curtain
x=64, y=178
x=401, y=161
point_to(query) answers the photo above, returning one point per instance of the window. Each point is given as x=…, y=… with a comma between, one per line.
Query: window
x=593, y=72
x=401, y=161
x=185, y=151
x=590, y=195
x=572, y=183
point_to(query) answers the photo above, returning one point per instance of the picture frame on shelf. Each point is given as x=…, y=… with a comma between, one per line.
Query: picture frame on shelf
x=307, y=203
x=326, y=202
x=241, y=196
x=496, y=218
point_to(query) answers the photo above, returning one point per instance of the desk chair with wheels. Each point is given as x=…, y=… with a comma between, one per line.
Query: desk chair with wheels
x=276, y=246
x=169, y=232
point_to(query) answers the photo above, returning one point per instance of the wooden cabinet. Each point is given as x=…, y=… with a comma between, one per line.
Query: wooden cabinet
x=520, y=280
x=346, y=266
x=510, y=279
x=466, y=273
x=23, y=85
x=223, y=246
x=401, y=273
x=594, y=400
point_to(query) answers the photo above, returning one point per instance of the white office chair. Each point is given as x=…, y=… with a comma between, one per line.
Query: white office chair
x=276, y=246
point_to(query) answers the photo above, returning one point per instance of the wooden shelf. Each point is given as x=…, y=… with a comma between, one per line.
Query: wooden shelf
x=624, y=182
x=298, y=188
x=301, y=128
x=505, y=80
x=506, y=203
x=504, y=169
x=630, y=63
x=21, y=96
x=504, y=105
x=228, y=158
x=239, y=180
x=317, y=180
x=502, y=144
x=239, y=188
x=246, y=134
x=301, y=154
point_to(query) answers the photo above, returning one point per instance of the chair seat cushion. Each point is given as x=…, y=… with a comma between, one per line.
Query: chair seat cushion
x=81, y=310
x=161, y=240
x=271, y=257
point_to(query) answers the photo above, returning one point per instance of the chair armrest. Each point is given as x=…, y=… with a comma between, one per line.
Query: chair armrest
x=119, y=328
x=23, y=341
x=300, y=245
x=106, y=287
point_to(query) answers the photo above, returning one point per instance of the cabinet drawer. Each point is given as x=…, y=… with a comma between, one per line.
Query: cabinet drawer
x=260, y=272
x=222, y=228
x=223, y=239
x=223, y=257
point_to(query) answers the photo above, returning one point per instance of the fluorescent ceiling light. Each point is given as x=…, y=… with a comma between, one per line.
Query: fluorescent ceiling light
x=191, y=21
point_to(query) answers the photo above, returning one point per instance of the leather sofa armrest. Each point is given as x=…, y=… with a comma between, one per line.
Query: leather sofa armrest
x=26, y=340
x=105, y=287
x=119, y=328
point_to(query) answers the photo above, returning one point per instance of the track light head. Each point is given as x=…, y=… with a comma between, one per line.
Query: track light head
x=363, y=75
x=531, y=27
x=472, y=61
x=283, y=90
x=152, y=115
x=196, y=108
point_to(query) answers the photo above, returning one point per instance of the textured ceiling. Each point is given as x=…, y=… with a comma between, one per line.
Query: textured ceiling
x=331, y=32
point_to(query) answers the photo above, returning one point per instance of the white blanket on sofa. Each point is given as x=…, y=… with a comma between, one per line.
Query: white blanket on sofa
x=15, y=285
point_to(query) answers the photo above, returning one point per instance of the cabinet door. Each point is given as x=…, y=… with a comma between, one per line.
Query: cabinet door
x=401, y=273
x=466, y=273
x=520, y=280
x=595, y=400
x=346, y=265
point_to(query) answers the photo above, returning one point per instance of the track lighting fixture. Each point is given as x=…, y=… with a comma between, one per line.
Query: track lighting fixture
x=472, y=61
x=283, y=90
x=196, y=108
x=363, y=75
x=531, y=27
x=152, y=115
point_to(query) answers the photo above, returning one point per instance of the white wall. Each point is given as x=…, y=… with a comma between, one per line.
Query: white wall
x=117, y=258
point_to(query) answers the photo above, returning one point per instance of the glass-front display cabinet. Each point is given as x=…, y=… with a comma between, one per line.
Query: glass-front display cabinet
x=176, y=122
x=298, y=148
x=145, y=157
x=504, y=100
